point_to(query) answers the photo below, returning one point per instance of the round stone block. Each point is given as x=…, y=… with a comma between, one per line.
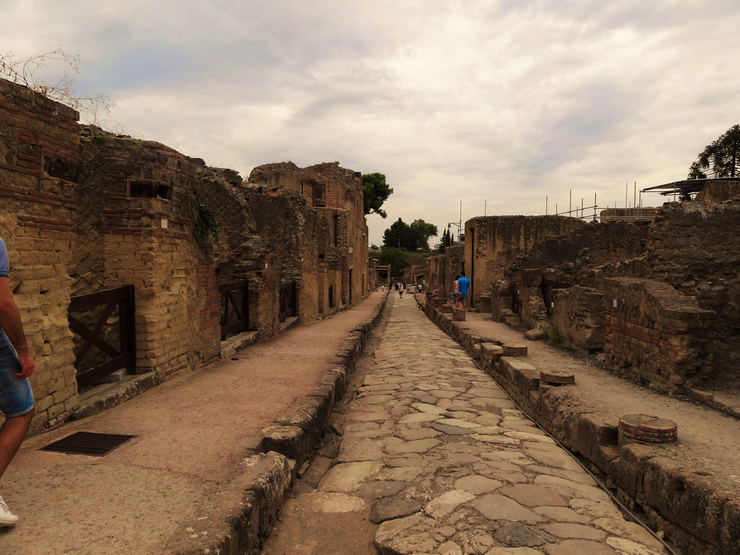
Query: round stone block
x=557, y=377
x=648, y=428
x=515, y=350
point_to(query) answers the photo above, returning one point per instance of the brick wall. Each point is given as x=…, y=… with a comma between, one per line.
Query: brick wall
x=137, y=208
x=38, y=180
x=341, y=213
x=655, y=333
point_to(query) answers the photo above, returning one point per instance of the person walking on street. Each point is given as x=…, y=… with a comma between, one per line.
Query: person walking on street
x=455, y=290
x=16, y=365
x=400, y=290
x=463, y=284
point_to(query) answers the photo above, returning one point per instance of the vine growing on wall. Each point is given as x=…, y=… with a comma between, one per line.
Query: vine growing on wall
x=206, y=225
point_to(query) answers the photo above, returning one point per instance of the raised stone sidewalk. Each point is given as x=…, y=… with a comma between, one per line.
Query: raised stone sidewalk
x=436, y=453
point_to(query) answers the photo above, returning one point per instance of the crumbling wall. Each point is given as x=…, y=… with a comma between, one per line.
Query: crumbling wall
x=454, y=263
x=335, y=193
x=493, y=243
x=435, y=269
x=137, y=208
x=38, y=178
x=696, y=248
x=719, y=190
x=656, y=334
x=573, y=256
x=578, y=312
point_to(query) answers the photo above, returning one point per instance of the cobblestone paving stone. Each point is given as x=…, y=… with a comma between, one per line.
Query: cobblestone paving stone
x=450, y=466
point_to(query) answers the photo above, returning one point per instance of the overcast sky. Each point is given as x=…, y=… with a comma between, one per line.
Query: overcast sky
x=498, y=104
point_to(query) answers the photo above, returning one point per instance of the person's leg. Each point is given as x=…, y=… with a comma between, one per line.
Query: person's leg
x=12, y=434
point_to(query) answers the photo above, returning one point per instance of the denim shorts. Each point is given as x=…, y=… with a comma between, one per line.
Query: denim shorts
x=16, y=397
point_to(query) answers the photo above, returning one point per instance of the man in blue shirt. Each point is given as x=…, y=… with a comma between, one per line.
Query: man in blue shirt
x=16, y=365
x=463, y=284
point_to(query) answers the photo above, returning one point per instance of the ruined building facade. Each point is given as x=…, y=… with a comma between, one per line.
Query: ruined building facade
x=86, y=212
x=658, y=297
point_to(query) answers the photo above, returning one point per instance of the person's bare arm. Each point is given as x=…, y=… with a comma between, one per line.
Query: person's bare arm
x=10, y=321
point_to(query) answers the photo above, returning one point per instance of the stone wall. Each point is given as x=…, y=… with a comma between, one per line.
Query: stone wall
x=493, y=243
x=696, y=248
x=578, y=312
x=573, y=256
x=335, y=193
x=454, y=263
x=136, y=210
x=719, y=190
x=38, y=180
x=656, y=334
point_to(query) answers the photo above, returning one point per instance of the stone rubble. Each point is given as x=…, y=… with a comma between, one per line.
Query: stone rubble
x=450, y=466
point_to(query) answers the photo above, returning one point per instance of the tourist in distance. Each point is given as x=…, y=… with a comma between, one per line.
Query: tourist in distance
x=463, y=284
x=16, y=365
x=455, y=290
x=400, y=289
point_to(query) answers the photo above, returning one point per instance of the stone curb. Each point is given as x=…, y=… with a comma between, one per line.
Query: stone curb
x=298, y=429
x=690, y=507
x=244, y=512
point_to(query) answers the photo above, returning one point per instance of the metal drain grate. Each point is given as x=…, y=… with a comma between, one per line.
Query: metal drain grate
x=88, y=443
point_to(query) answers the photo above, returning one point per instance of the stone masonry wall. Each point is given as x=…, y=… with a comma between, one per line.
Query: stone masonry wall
x=578, y=312
x=454, y=263
x=719, y=190
x=493, y=243
x=696, y=248
x=38, y=179
x=336, y=195
x=655, y=333
x=139, y=197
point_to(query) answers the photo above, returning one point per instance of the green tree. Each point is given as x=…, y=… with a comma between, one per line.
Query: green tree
x=410, y=237
x=397, y=235
x=447, y=239
x=719, y=159
x=421, y=232
x=375, y=191
x=397, y=258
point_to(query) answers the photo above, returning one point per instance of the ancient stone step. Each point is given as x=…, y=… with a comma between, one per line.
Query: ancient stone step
x=557, y=377
x=515, y=350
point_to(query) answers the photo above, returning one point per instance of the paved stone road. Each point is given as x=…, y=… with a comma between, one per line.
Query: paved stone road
x=435, y=451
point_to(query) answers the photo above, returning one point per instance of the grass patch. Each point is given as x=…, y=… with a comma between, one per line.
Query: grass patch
x=555, y=336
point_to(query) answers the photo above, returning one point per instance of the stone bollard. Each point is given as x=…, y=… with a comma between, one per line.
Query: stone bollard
x=445, y=309
x=557, y=377
x=515, y=350
x=646, y=428
x=458, y=314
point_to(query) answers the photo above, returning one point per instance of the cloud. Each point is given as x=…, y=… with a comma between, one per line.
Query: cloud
x=496, y=103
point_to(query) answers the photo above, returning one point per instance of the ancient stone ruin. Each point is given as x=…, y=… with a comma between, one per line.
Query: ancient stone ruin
x=87, y=212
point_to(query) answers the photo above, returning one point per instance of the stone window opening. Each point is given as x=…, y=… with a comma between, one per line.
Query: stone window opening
x=61, y=168
x=143, y=189
x=319, y=194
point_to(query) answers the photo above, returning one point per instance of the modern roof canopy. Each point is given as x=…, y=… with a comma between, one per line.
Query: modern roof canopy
x=687, y=186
